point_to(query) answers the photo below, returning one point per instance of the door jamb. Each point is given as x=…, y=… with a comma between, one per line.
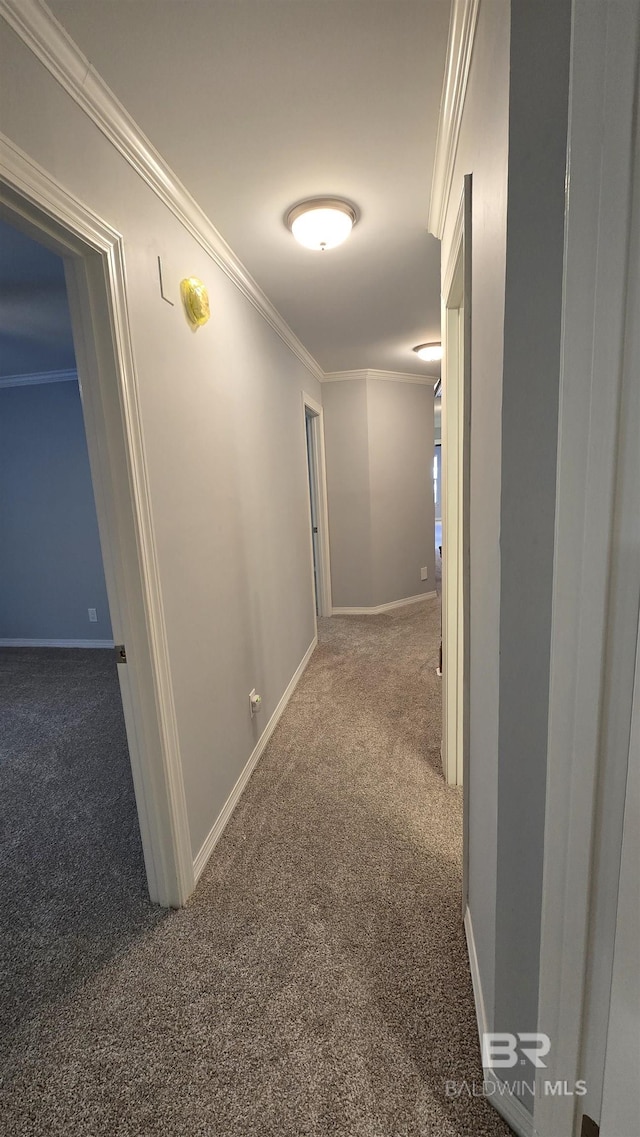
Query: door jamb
x=456, y=421
x=95, y=270
x=319, y=473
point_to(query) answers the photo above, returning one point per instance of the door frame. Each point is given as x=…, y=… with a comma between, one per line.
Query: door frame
x=319, y=474
x=455, y=467
x=94, y=259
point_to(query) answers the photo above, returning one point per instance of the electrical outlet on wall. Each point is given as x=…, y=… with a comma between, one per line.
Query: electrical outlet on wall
x=93, y=616
x=424, y=573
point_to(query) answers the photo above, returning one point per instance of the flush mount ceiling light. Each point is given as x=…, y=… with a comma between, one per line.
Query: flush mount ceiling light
x=321, y=222
x=430, y=352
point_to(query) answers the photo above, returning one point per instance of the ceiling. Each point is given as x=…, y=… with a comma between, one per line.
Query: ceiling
x=258, y=103
x=35, y=326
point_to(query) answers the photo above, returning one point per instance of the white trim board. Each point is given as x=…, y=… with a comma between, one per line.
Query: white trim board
x=506, y=1104
x=462, y=30
x=478, y=997
x=223, y=818
x=319, y=474
x=384, y=607
x=38, y=377
x=39, y=30
x=455, y=430
x=56, y=643
x=386, y=376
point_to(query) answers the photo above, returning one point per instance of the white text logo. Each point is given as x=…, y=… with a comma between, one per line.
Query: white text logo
x=504, y=1049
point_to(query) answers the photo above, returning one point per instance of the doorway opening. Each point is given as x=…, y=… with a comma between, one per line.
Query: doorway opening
x=39, y=207
x=53, y=592
x=319, y=522
x=313, y=501
x=64, y=750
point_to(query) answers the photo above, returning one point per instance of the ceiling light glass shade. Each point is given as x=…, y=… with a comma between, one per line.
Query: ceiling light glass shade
x=321, y=223
x=430, y=352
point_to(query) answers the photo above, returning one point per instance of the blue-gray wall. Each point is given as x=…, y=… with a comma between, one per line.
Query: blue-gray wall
x=35, y=331
x=50, y=560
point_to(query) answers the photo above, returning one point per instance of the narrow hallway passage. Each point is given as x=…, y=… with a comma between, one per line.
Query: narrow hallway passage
x=317, y=981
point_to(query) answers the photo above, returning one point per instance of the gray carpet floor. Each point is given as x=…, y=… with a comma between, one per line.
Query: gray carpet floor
x=316, y=983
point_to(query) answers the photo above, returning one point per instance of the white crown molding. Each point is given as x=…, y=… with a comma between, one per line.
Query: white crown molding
x=402, y=377
x=386, y=376
x=38, y=377
x=462, y=30
x=39, y=30
x=343, y=376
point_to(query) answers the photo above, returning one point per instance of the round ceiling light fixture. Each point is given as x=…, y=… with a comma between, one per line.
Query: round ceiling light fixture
x=321, y=223
x=429, y=352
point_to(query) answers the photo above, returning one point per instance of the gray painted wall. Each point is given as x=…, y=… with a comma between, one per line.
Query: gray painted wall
x=513, y=141
x=346, y=439
x=50, y=559
x=223, y=429
x=379, y=451
x=538, y=110
x=402, y=507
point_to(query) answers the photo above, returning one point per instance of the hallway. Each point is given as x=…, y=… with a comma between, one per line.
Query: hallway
x=316, y=983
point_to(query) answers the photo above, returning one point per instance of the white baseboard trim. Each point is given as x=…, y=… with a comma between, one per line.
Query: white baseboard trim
x=497, y=1092
x=56, y=643
x=37, y=378
x=481, y=1016
x=508, y=1105
x=383, y=607
x=219, y=825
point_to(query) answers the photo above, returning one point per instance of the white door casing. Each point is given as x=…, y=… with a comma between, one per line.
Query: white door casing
x=318, y=473
x=96, y=281
x=455, y=496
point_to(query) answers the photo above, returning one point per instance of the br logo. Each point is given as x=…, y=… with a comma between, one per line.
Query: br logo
x=503, y=1049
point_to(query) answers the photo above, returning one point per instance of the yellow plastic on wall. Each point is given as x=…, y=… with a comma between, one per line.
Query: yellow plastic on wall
x=196, y=301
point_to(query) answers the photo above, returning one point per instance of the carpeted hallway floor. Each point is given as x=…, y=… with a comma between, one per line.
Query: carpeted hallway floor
x=316, y=984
